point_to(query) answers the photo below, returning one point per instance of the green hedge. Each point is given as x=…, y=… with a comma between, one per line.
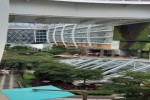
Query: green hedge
x=44, y=54
x=101, y=91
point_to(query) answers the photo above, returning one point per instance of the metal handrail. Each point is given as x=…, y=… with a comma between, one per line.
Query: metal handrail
x=109, y=1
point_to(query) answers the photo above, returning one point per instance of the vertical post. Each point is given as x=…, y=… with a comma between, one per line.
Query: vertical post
x=35, y=33
x=62, y=35
x=54, y=37
x=4, y=14
x=134, y=65
x=88, y=36
x=112, y=53
x=139, y=53
x=47, y=35
x=73, y=35
x=102, y=53
x=84, y=96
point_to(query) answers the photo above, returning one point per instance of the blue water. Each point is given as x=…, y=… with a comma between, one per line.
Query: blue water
x=28, y=94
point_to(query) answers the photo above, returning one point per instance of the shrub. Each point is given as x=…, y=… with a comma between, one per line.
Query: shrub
x=21, y=48
x=55, y=51
x=28, y=76
x=101, y=91
x=43, y=54
x=25, y=82
x=59, y=47
x=72, y=52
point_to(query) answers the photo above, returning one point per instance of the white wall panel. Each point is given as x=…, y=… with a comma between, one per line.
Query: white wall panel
x=4, y=12
x=78, y=10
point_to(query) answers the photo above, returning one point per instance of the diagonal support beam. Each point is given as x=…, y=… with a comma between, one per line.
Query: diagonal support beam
x=141, y=68
x=80, y=62
x=89, y=63
x=123, y=65
x=104, y=64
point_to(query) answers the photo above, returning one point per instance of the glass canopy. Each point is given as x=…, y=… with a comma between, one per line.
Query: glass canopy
x=111, y=67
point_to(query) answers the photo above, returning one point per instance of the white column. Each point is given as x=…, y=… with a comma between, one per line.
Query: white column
x=62, y=36
x=54, y=37
x=4, y=14
x=35, y=33
x=88, y=36
x=47, y=35
x=73, y=36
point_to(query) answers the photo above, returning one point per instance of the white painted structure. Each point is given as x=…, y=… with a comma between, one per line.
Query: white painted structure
x=4, y=12
x=109, y=1
x=72, y=11
x=40, y=10
x=82, y=35
x=69, y=35
x=111, y=66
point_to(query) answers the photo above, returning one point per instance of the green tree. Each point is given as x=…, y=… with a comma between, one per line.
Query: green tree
x=54, y=71
x=87, y=74
x=57, y=49
x=135, y=85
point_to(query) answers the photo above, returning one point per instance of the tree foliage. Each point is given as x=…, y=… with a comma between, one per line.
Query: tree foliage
x=135, y=85
x=59, y=49
x=72, y=52
x=57, y=71
x=54, y=71
x=29, y=76
x=87, y=74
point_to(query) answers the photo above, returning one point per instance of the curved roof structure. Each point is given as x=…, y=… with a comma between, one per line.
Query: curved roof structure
x=111, y=67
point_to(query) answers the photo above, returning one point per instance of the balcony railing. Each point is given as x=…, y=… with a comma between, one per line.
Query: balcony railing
x=110, y=1
x=121, y=0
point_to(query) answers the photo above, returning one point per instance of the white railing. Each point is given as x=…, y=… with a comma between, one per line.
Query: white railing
x=123, y=0
x=109, y=1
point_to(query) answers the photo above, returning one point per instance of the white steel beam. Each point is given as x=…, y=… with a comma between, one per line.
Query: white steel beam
x=47, y=35
x=4, y=13
x=141, y=68
x=88, y=35
x=73, y=36
x=123, y=65
x=62, y=36
x=92, y=62
x=83, y=61
x=45, y=9
x=108, y=1
x=54, y=38
x=108, y=62
x=35, y=32
x=110, y=67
